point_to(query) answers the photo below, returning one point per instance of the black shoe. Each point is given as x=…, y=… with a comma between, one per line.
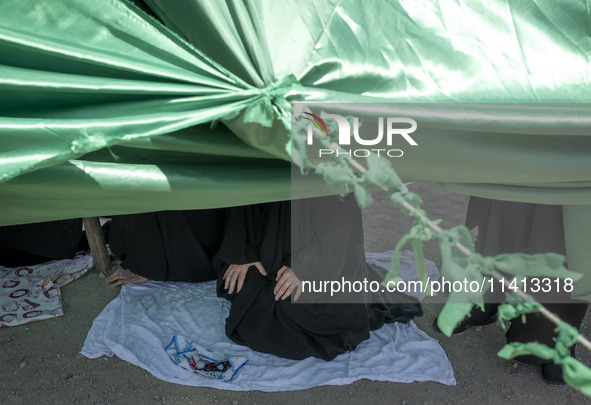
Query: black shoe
x=476, y=319
x=552, y=374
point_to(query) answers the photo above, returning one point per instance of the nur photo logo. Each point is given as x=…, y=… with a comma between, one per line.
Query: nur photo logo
x=379, y=135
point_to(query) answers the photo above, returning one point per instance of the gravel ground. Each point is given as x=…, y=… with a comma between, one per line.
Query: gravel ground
x=40, y=363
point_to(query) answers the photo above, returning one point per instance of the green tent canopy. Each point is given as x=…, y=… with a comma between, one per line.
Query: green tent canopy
x=111, y=107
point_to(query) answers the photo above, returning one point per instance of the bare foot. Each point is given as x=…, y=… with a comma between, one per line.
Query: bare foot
x=123, y=276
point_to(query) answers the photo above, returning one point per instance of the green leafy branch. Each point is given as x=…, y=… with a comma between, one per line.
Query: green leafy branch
x=459, y=260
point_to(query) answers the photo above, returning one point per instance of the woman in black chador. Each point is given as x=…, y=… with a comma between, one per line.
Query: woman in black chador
x=516, y=227
x=166, y=245
x=30, y=244
x=322, y=238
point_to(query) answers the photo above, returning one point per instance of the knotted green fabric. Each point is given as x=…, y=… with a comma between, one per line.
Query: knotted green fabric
x=575, y=373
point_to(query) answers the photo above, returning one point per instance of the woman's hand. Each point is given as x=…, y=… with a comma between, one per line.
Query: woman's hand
x=236, y=273
x=123, y=276
x=287, y=282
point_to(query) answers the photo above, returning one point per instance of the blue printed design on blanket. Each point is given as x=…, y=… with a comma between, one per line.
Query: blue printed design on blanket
x=187, y=354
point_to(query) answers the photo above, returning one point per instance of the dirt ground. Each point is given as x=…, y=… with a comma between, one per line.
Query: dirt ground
x=40, y=363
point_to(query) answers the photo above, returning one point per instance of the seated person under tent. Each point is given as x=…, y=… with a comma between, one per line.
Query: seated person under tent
x=250, y=251
x=30, y=244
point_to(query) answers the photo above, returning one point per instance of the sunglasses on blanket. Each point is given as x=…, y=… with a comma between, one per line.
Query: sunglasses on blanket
x=220, y=366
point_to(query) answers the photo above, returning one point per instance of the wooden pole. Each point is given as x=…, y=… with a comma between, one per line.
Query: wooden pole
x=96, y=241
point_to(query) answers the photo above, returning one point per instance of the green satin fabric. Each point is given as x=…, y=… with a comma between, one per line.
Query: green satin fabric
x=106, y=110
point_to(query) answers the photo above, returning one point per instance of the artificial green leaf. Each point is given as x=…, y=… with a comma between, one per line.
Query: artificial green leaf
x=538, y=265
x=451, y=315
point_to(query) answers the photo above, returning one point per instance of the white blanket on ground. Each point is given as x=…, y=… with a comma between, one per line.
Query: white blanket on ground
x=138, y=324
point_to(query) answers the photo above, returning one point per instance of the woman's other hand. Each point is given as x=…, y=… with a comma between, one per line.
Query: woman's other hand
x=236, y=273
x=287, y=282
x=123, y=276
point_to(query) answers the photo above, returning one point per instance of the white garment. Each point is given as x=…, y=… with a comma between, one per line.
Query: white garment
x=32, y=293
x=138, y=324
